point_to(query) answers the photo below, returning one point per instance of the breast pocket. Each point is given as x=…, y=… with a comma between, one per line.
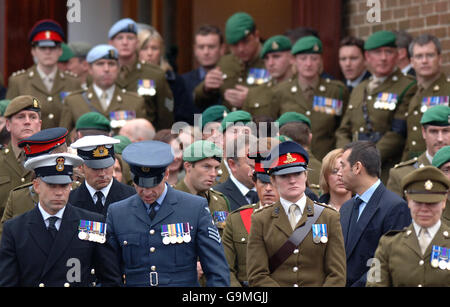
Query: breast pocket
x=4, y=179
x=131, y=249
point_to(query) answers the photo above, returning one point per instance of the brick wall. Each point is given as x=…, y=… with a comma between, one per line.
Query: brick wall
x=413, y=16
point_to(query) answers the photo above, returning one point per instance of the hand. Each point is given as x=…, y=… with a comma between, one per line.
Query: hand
x=199, y=270
x=213, y=79
x=236, y=97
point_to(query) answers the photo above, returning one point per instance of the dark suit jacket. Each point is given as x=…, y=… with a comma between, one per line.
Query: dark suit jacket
x=385, y=211
x=29, y=256
x=81, y=198
x=230, y=190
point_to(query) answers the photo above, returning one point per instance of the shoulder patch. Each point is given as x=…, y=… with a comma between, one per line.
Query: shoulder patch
x=324, y=205
x=263, y=208
x=406, y=163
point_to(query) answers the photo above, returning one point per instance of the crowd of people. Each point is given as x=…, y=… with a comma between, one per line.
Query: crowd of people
x=256, y=169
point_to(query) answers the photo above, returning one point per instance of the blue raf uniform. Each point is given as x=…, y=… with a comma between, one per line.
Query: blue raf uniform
x=161, y=242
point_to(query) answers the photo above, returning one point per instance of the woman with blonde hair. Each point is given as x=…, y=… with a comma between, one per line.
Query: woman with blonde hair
x=151, y=50
x=333, y=190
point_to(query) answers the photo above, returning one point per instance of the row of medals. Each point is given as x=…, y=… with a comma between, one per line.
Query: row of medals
x=186, y=238
x=92, y=236
x=442, y=264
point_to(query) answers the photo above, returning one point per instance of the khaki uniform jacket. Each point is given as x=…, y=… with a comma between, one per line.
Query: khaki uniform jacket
x=314, y=167
x=234, y=240
x=223, y=173
x=415, y=144
x=12, y=174
x=30, y=83
x=234, y=72
x=446, y=214
x=159, y=106
x=81, y=102
x=402, y=264
x=259, y=100
x=324, y=119
x=402, y=169
x=310, y=265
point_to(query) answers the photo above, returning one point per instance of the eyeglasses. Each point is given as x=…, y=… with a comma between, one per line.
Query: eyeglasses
x=428, y=56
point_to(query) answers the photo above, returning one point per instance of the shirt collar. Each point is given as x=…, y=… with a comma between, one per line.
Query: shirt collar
x=99, y=91
x=431, y=230
x=357, y=81
x=406, y=68
x=104, y=191
x=45, y=215
x=242, y=188
x=369, y=192
x=301, y=203
x=201, y=73
x=45, y=76
x=429, y=157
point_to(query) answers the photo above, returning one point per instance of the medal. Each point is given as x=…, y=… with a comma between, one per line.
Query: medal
x=186, y=233
x=443, y=264
x=187, y=238
x=179, y=229
x=152, y=92
x=250, y=80
x=82, y=235
x=435, y=251
x=423, y=109
x=165, y=234
x=324, y=237
x=316, y=233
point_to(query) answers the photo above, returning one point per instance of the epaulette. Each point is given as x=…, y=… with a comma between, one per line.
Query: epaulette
x=405, y=163
x=19, y=72
x=324, y=205
x=23, y=186
x=72, y=74
x=264, y=207
x=246, y=207
x=393, y=232
x=75, y=92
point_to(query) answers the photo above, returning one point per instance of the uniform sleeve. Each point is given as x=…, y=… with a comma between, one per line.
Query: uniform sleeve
x=204, y=99
x=107, y=264
x=111, y=235
x=210, y=250
x=9, y=266
x=378, y=275
x=344, y=132
x=7, y=213
x=394, y=182
x=257, y=258
x=13, y=89
x=230, y=252
x=66, y=118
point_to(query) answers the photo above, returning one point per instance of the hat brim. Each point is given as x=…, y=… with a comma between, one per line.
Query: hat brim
x=427, y=198
x=102, y=163
x=46, y=43
x=289, y=170
x=263, y=177
x=148, y=182
x=57, y=179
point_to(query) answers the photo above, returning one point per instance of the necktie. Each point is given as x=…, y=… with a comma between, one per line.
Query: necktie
x=373, y=84
x=48, y=82
x=99, y=202
x=153, y=210
x=51, y=226
x=104, y=100
x=354, y=217
x=424, y=239
x=292, y=219
x=252, y=196
x=308, y=93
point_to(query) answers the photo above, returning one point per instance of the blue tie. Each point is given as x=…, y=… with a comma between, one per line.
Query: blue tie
x=153, y=210
x=354, y=218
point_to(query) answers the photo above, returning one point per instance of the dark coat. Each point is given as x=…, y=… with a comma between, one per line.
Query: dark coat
x=232, y=193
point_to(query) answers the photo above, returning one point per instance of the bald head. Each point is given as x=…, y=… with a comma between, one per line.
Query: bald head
x=138, y=130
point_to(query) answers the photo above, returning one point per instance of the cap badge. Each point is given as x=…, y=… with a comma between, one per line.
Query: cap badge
x=246, y=32
x=35, y=103
x=111, y=54
x=225, y=114
x=100, y=151
x=60, y=164
x=275, y=46
x=436, y=88
x=428, y=185
x=316, y=47
x=28, y=148
x=47, y=34
x=289, y=158
x=145, y=169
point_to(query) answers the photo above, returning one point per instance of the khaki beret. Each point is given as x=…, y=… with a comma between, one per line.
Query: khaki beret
x=25, y=102
x=427, y=184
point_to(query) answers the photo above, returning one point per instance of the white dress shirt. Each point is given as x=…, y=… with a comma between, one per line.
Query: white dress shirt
x=45, y=215
x=105, y=192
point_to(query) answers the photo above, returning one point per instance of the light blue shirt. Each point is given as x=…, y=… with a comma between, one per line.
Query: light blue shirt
x=159, y=200
x=366, y=196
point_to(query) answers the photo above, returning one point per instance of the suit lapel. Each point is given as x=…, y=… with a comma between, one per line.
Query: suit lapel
x=95, y=102
x=37, y=82
x=235, y=194
x=346, y=212
x=139, y=210
x=116, y=101
x=14, y=164
x=411, y=240
x=39, y=232
x=166, y=208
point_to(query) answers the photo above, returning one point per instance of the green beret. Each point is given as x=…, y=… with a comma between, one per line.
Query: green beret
x=3, y=105
x=436, y=116
x=124, y=142
x=290, y=117
x=67, y=53
x=200, y=150
x=275, y=44
x=441, y=157
x=307, y=44
x=235, y=117
x=380, y=39
x=238, y=27
x=93, y=120
x=427, y=184
x=283, y=138
x=214, y=113
x=80, y=49
x=25, y=102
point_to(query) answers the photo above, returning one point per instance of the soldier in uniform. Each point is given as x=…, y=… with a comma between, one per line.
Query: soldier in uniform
x=211, y=124
x=201, y=162
x=377, y=107
x=23, y=198
x=237, y=71
x=417, y=256
x=436, y=133
x=433, y=88
x=22, y=121
x=41, y=247
x=161, y=232
x=279, y=62
x=147, y=80
x=44, y=80
x=441, y=160
x=294, y=242
x=324, y=101
x=103, y=96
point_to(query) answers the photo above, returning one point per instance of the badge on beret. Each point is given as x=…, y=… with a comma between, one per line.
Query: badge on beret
x=289, y=158
x=35, y=103
x=60, y=164
x=145, y=169
x=100, y=151
x=275, y=46
x=112, y=54
x=316, y=48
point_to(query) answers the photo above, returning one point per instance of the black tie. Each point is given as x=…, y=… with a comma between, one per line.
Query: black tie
x=252, y=196
x=51, y=226
x=354, y=218
x=99, y=203
x=152, y=210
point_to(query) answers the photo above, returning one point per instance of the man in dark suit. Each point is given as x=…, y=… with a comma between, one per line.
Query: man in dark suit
x=371, y=213
x=45, y=246
x=239, y=188
x=161, y=232
x=100, y=188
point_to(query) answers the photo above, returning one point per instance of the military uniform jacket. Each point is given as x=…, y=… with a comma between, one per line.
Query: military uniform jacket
x=325, y=110
x=446, y=214
x=81, y=102
x=160, y=105
x=386, y=105
x=437, y=93
x=311, y=264
x=235, y=238
x=235, y=72
x=314, y=167
x=402, y=263
x=12, y=174
x=400, y=170
x=29, y=82
x=147, y=261
x=29, y=257
x=259, y=100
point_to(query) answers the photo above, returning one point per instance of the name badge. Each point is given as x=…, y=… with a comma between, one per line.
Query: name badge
x=431, y=101
x=386, y=101
x=146, y=87
x=257, y=76
x=327, y=105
